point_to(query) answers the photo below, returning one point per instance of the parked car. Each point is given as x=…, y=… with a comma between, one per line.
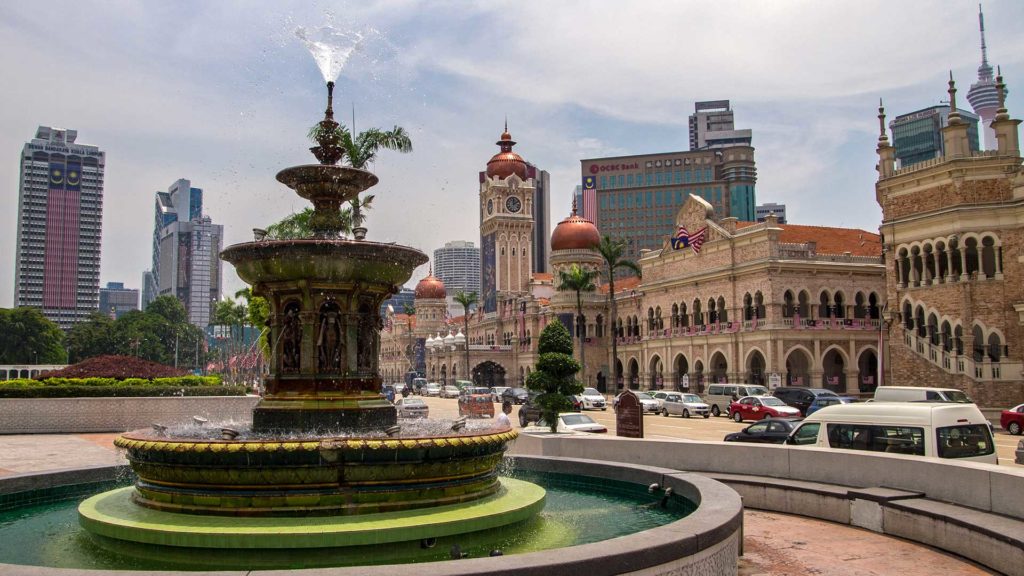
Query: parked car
x=463, y=384
x=679, y=404
x=760, y=407
x=719, y=396
x=647, y=402
x=515, y=395
x=920, y=394
x=591, y=399
x=475, y=402
x=496, y=393
x=767, y=431
x=1012, y=420
x=431, y=389
x=826, y=400
x=570, y=422
x=418, y=384
x=799, y=397
x=412, y=408
x=449, y=391
x=933, y=429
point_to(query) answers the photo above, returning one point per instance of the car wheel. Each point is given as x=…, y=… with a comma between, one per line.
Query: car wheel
x=1014, y=428
x=766, y=416
x=664, y=412
x=715, y=411
x=686, y=413
x=737, y=417
x=706, y=415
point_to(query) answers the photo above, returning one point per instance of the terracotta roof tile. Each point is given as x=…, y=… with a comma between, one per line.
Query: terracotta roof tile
x=829, y=240
x=628, y=283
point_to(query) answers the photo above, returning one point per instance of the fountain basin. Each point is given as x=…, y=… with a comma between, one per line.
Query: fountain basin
x=325, y=182
x=316, y=477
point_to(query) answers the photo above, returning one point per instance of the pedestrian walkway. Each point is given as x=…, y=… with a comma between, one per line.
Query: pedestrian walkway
x=774, y=544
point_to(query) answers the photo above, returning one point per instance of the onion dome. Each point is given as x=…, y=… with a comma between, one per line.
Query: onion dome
x=460, y=338
x=506, y=163
x=430, y=341
x=575, y=233
x=430, y=287
x=449, y=339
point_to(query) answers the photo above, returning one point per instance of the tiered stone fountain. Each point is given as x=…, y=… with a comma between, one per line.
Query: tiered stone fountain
x=325, y=463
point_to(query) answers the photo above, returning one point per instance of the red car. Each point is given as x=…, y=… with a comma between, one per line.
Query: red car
x=1012, y=420
x=761, y=407
x=476, y=403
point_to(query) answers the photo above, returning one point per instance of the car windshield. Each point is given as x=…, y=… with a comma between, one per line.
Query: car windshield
x=644, y=396
x=957, y=396
x=771, y=401
x=591, y=392
x=572, y=419
x=673, y=398
x=409, y=402
x=691, y=398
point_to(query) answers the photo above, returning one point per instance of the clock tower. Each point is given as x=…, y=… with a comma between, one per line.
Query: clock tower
x=507, y=197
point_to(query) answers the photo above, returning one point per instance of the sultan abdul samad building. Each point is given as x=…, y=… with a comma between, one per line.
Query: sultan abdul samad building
x=939, y=296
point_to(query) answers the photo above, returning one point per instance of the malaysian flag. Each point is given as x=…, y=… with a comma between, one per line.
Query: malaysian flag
x=589, y=198
x=683, y=239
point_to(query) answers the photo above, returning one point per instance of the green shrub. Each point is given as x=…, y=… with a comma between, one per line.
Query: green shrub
x=111, y=384
x=21, y=391
x=555, y=376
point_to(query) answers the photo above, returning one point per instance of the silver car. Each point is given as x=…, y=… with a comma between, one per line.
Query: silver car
x=412, y=408
x=681, y=404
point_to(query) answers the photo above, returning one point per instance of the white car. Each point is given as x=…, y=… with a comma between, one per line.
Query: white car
x=679, y=404
x=450, y=391
x=412, y=408
x=496, y=393
x=432, y=389
x=570, y=422
x=591, y=399
x=648, y=403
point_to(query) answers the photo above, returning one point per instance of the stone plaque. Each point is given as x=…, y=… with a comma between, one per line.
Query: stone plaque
x=629, y=416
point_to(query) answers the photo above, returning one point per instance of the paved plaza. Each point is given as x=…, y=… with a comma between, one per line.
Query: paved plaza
x=775, y=544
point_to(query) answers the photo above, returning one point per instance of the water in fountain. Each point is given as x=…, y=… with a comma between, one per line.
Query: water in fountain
x=331, y=48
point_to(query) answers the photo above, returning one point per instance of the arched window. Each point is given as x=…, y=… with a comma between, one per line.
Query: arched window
x=650, y=320
x=788, y=304
x=860, y=309
x=988, y=257
x=823, y=305
x=804, y=304
x=995, y=348
x=908, y=316
x=922, y=329
x=698, y=318
x=657, y=318
x=748, y=307
x=600, y=326
x=675, y=315
x=971, y=255
x=684, y=318
x=712, y=311
x=723, y=314
x=979, y=343
x=933, y=329
x=759, y=310
x=958, y=340
x=840, y=306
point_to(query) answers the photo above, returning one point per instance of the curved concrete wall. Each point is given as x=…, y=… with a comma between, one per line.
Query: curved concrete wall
x=705, y=543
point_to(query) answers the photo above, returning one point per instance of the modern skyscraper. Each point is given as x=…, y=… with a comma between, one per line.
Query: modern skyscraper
x=918, y=136
x=762, y=211
x=186, y=253
x=638, y=197
x=60, y=215
x=983, y=96
x=541, y=218
x=116, y=300
x=458, y=266
x=711, y=126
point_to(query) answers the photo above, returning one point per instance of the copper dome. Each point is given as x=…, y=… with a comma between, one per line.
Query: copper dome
x=575, y=233
x=506, y=163
x=430, y=287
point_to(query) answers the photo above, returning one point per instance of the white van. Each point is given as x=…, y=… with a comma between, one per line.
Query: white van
x=920, y=394
x=720, y=396
x=926, y=429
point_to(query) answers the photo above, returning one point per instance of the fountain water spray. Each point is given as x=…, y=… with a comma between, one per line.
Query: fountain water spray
x=331, y=48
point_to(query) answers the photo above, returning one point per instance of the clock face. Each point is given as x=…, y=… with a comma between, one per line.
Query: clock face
x=490, y=206
x=513, y=204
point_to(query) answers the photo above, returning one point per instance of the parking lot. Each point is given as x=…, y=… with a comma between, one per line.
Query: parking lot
x=659, y=427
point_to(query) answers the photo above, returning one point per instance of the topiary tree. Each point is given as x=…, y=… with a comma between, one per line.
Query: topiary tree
x=555, y=375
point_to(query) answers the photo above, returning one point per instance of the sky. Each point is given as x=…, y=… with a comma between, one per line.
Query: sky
x=223, y=93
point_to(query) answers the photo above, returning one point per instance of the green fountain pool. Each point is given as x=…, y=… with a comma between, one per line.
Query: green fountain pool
x=42, y=529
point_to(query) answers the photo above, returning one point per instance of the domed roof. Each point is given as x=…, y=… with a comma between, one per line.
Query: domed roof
x=449, y=339
x=575, y=233
x=430, y=287
x=506, y=163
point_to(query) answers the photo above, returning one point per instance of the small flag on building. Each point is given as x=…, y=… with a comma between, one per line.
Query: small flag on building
x=590, y=198
x=683, y=239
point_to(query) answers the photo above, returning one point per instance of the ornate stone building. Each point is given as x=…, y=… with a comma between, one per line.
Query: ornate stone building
x=953, y=230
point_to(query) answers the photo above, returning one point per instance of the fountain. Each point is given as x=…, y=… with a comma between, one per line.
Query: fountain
x=322, y=464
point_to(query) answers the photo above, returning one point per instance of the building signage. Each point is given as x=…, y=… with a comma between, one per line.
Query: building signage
x=595, y=168
x=774, y=380
x=629, y=416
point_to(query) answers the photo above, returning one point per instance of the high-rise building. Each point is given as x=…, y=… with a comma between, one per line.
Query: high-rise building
x=457, y=264
x=541, y=218
x=60, y=214
x=762, y=211
x=398, y=301
x=983, y=96
x=712, y=126
x=116, y=300
x=638, y=197
x=186, y=253
x=917, y=136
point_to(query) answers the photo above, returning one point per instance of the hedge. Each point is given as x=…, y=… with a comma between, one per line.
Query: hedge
x=116, y=391
x=177, y=381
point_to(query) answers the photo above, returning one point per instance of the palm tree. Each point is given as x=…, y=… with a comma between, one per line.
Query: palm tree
x=579, y=280
x=361, y=151
x=611, y=250
x=297, y=225
x=467, y=299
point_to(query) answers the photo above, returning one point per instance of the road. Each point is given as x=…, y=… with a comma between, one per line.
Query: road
x=657, y=427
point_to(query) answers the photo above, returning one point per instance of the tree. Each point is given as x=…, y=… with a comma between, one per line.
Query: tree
x=554, y=376
x=578, y=279
x=358, y=205
x=28, y=337
x=169, y=308
x=611, y=250
x=297, y=225
x=93, y=337
x=361, y=151
x=467, y=299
